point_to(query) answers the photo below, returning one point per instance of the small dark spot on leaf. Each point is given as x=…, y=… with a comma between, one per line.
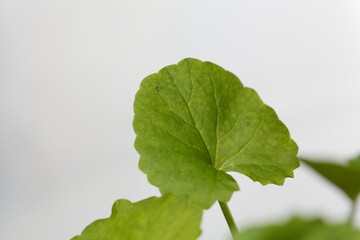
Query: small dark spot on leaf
x=157, y=88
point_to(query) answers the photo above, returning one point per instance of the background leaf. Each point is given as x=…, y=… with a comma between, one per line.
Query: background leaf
x=355, y=163
x=167, y=218
x=301, y=229
x=346, y=177
x=195, y=121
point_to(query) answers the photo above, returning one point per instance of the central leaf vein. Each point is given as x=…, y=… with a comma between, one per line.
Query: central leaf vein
x=216, y=119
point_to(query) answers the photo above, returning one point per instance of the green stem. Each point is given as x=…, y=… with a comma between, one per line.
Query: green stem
x=229, y=219
x=352, y=213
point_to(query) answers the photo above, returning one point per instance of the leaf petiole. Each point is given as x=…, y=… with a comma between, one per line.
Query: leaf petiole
x=352, y=213
x=229, y=219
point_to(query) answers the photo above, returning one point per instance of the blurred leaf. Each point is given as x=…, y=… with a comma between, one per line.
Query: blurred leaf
x=301, y=229
x=195, y=121
x=355, y=163
x=167, y=218
x=346, y=177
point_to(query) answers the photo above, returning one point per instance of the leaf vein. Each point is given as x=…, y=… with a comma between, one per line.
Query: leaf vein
x=216, y=120
x=246, y=144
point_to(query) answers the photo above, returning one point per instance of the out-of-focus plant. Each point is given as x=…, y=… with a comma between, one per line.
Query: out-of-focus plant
x=344, y=176
x=301, y=229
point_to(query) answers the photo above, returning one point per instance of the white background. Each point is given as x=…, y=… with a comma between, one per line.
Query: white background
x=69, y=71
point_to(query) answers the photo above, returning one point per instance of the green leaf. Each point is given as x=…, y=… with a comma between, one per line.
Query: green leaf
x=168, y=218
x=195, y=121
x=346, y=177
x=355, y=163
x=301, y=229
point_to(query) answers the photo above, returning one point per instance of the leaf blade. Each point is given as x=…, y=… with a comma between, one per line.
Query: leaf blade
x=345, y=177
x=168, y=217
x=195, y=121
x=354, y=163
